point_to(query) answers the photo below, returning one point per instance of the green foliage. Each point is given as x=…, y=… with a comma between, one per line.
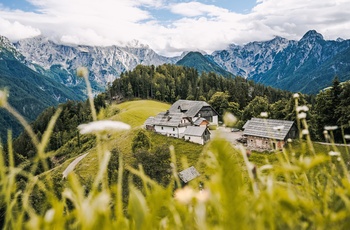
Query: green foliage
x=170, y=83
x=255, y=108
x=332, y=109
x=155, y=163
x=141, y=141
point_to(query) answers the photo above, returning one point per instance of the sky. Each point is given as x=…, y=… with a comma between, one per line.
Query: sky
x=172, y=26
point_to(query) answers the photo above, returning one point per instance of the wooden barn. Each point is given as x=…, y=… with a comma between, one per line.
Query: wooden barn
x=268, y=134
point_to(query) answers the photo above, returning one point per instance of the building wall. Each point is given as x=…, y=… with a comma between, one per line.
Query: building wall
x=215, y=120
x=170, y=131
x=195, y=139
x=261, y=143
x=166, y=130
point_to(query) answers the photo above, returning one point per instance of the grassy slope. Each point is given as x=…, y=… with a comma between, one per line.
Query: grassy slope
x=134, y=113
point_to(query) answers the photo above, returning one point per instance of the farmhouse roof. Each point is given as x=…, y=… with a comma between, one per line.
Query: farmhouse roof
x=269, y=128
x=149, y=121
x=189, y=174
x=195, y=131
x=168, y=119
x=189, y=108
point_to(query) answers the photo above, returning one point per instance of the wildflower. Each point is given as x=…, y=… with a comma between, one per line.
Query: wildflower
x=101, y=202
x=229, y=119
x=333, y=153
x=331, y=128
x=203, y=195
x=279, y=128
x=102, y=126
x=3, y=97
x=302, y=108
x=289, y=140
x=49, y=215
x=302, y=115
x=263, y=114
x=185, y=195
x=305, y=132
x=82, y=72
x=296, y=95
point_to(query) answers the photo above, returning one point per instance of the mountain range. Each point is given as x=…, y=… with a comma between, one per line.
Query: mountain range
x=29, y=92
x=307, y=65
x=40, y=72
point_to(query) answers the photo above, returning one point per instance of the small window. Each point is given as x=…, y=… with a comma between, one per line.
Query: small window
x=189, y=138
x=162, y=127
x=173, y=129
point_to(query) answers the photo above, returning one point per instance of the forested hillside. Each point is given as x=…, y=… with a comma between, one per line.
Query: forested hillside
x=170, y=83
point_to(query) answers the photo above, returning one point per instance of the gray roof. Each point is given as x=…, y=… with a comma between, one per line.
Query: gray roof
x=269, y=128
x=199, y=121
x=168, y=119
x=149, y=121
x=195, y=131
x=188, y=174
x=190, y=108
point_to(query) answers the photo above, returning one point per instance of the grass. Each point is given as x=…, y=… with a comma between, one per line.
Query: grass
x=307, y=186
x=134, y=113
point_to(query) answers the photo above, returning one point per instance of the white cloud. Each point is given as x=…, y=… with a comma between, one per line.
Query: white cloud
x=15, y=30
x=193, y=9
x=201, y=26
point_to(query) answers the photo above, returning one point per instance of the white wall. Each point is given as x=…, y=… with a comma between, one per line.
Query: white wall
x=170, y=131
x=215, y=120
x=194, y=139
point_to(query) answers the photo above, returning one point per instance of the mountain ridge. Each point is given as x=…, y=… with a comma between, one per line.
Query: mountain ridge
x=29, y=92
x=279, y=62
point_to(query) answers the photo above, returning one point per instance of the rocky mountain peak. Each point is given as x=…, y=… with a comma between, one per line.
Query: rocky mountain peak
x=312, y=35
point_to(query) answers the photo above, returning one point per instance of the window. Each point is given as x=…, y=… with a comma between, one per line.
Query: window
x=173, y=129
x=162, y=127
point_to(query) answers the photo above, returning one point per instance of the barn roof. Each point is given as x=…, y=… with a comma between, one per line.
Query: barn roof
x=168, y=119
x=189, y=174
x=195, y=131
x=190, y=108
x=269, y=128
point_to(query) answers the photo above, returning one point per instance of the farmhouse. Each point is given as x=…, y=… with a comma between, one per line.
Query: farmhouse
x=169, y=124
x=185, y=119
x=195, y=110
x=268, y=134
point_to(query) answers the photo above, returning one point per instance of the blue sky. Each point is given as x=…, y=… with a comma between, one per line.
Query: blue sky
x=172, y=26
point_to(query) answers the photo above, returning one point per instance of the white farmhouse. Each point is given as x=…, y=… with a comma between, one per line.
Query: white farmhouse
x=171, y=124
